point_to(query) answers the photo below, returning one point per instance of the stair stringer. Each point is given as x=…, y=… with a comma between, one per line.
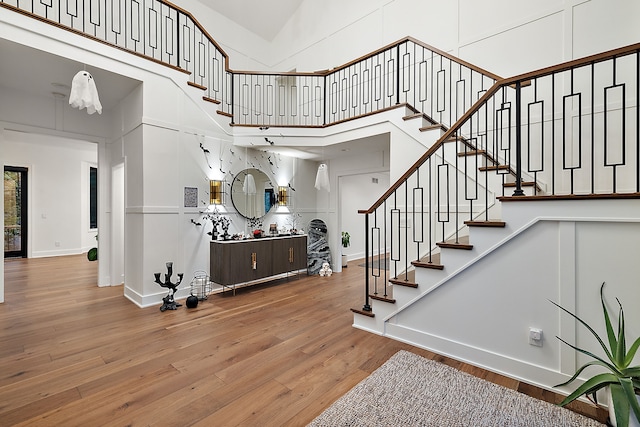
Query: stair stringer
x=480, y=311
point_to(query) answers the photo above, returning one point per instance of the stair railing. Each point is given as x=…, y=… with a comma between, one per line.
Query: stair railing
x=569, y=131
x=405, y=72
x=153, y=29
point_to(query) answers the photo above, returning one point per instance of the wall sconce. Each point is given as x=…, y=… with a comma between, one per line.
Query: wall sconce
x=216, y=192
x=282, y=196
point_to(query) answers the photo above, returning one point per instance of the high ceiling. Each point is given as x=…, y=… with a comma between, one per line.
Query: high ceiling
x=262, y=17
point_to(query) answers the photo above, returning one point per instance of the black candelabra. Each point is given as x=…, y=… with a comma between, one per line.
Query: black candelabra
x=169, y=302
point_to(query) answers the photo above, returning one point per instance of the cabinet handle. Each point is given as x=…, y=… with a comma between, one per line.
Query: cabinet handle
x=254, y=262
x=291, y=255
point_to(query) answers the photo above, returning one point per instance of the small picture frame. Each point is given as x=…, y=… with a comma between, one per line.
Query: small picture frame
x=190, y=197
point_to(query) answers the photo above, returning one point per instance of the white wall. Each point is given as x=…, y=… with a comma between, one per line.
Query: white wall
x=358, y=192
x=558, y=252
x=58, y=208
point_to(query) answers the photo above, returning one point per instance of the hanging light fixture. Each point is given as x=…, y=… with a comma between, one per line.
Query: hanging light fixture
x=216, y=193
x=322, y=178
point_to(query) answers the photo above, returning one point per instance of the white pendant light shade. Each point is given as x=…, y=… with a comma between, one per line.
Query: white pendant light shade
x=322, y=178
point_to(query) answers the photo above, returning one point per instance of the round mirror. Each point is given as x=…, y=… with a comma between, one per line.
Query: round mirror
x=252, y=193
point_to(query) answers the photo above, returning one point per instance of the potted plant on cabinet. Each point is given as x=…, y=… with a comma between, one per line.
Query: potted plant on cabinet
x=346, y=241
x=622, y=380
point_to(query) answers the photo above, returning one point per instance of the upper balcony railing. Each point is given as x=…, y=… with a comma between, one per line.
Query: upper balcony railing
x=569, y=131
x=408, y=71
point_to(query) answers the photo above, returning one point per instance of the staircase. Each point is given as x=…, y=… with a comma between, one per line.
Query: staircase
x=511, y=207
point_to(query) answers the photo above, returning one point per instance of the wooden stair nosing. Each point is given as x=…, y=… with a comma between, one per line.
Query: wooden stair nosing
x=421, y=116
x=222, y=113
x=215, y=101
x=472, y=153
x=485, y=223
x=424, y=264
x=432, y=127
x=497, y=168
x=523, y=184
x=413, y=116
x=364, y=313
x=401, y=282
x=383, y=299
x=453, y=245
x=196, y=85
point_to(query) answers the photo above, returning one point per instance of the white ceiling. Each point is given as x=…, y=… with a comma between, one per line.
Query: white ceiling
x=262, y=17
x=42, y=74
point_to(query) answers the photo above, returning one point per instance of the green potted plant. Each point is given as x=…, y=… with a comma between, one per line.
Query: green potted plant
x=92, y=255
x=346, y=241
x=622, y=380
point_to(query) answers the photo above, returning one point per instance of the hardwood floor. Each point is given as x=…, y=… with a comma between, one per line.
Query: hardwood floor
x=73, y=354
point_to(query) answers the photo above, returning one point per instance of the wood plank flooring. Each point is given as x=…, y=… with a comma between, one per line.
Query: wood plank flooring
x=73, y=354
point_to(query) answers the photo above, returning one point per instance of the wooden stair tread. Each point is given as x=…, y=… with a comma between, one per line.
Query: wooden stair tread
x=496, y=168
x=569, y=197
x=427, y=264
x=196, y=85
x=383, y=299
x=419, y=115
x=472, y=153
x=401, y=282
x=523, y=184
x=489, y=223
x=206, y=98
x=364, y=313
x=432, y=127
x=462, y=243
x=412, y=116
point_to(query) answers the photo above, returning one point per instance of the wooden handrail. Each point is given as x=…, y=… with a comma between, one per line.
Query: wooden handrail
x=566, y=66
x=201, y=28
x=600, y=57
x=90, y=37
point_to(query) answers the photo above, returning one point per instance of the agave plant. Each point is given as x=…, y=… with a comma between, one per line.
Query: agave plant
x=622, y=379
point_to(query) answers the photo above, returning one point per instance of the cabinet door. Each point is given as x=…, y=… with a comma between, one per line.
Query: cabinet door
x=257, y=258
x=217, y=260
x=238, y=262
x=282, y=254
x=299, y=253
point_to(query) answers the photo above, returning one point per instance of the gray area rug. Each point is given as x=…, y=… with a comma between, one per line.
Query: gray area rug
x=409, y=390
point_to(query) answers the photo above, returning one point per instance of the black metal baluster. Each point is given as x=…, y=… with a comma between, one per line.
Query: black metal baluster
x=518, y=191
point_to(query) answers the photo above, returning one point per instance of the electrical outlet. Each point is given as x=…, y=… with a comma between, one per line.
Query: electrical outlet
x=535, y=337
x=57, y=244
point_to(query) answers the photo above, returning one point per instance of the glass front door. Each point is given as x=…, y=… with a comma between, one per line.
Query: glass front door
x=15, y=212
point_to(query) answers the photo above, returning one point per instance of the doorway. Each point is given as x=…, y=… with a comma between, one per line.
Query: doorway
x=15, y=212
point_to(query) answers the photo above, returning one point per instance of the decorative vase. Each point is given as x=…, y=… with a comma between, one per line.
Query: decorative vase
x=633, y=421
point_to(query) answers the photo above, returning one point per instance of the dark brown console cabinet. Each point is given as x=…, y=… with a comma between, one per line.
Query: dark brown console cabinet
x=240, y=261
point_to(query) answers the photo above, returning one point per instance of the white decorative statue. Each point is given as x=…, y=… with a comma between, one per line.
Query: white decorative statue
x=84, y=93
